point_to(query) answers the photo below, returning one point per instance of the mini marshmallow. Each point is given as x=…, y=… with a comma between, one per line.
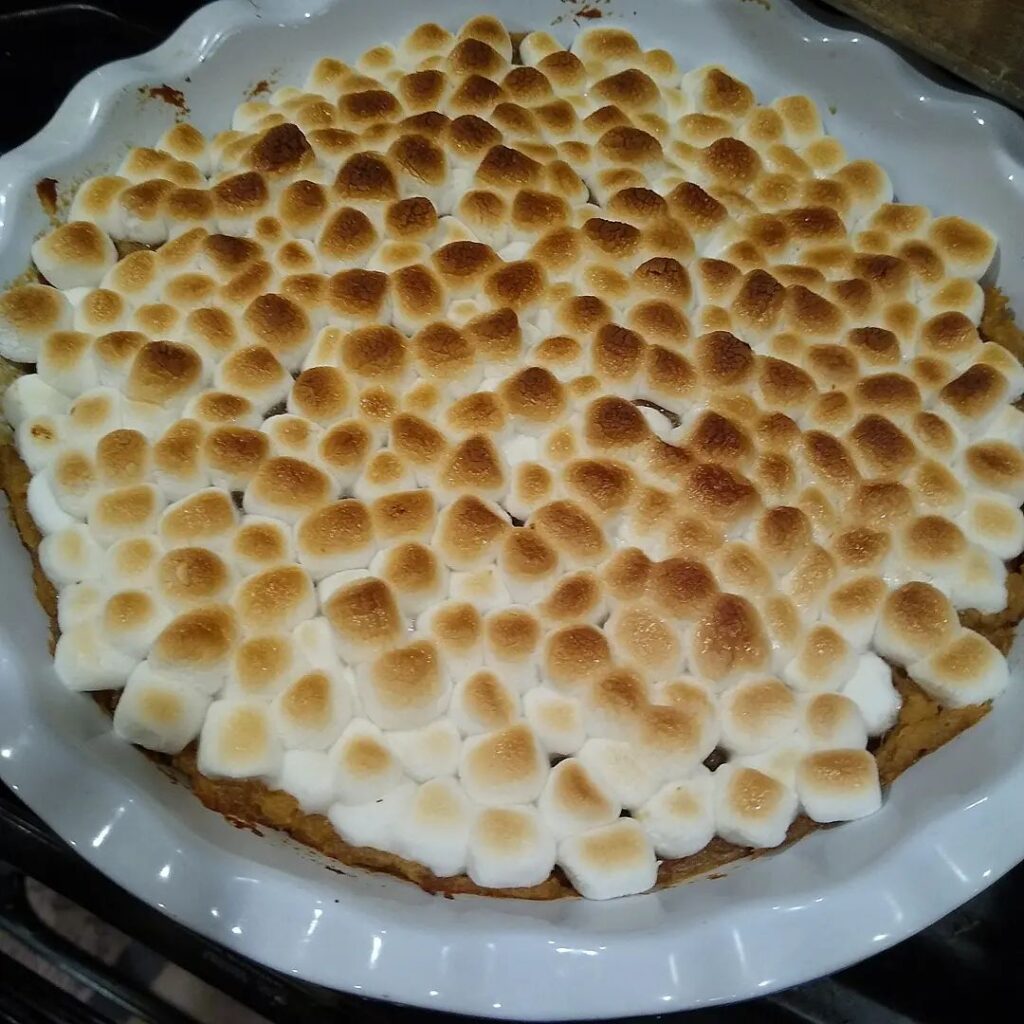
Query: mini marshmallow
x=824, y=661
x=965, y=670
x=756, y=714
x=621, y=770
x=312, y=711
x=610, y=861
x=405, y=687
x=29, y=395
x=44, y=508
x=309, y=777
x=372, y=823
x=871, y=689
x=573, y=801
x=556, y=719
x=70, y=555
x=261, y=666
x=430, y=752
x=159, y=712
x=503, y=767
x=485, y=588
x=838, y=785
x=132, y=620
x=74, y=255
x=981, y=584
x=483, y=702
x=364, y=766
x=509, y=847
x=680, y=818
x=833, y=720
x=434, y=828
x=238, y=740
x=86, y=660
x=751, y=808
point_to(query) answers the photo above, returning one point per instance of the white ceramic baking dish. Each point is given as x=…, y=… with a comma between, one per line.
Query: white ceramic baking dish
x=950, y=826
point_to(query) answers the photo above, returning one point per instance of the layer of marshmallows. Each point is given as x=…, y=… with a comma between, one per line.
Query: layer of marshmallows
x=473, y=448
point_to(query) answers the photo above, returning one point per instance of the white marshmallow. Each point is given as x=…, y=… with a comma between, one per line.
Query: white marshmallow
x=79, y=603
x=84, y=660
x=871, y=689
x=556, y=719
x=132, y=620
x=838, y=785
x=621, y=770
x=131, y=564
x=780, y=761
x=613, y=860
x=434, y=828
x=364, y=766
x=314, y=639
x=509, y=847
x=30, y=395
x=159, y=712
x=680, y=817
x=238, y=740
x=429, y=752
x=752, y=808
x=372, y=823
x=483, y=588
x=309, y=776
x=70, y=556
x=44, y=508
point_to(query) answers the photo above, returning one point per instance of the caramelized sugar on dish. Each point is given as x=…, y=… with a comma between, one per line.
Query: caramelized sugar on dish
x=480, y=438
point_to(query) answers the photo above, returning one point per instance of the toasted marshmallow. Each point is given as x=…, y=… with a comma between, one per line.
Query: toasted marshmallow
x=429, y=752
x=503, y=767
x=85, y=660
x=679, y=819
x=238, y=740
x=964, y=670
x=75, y=255
x=916, y=619
x=645, y=640
x=824, y=661
x=838, y=785
x=557, y=720
x=263, y=665
x=434, y=828
x=335, y=537
x=70, y=556
x=365, y=768
x=609, y=861
x=197, y=645
x=287, y=488
x=405, y=687
x=621, y=769
x=131, y=621
x=469, y=532
x=206, y=517
x=414, y=573
x=756, y=714
x=832, y=720
x=752, y=808
x=126, y=512
x=509, y=847
x=313, y=710
x=364, y=616
x=457, y=628
x=275, y=599
x=159, y=712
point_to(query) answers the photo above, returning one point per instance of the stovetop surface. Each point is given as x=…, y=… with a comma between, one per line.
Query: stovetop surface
x=948, y=973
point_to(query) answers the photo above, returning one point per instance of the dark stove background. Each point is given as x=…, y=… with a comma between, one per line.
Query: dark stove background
x=969, y=960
